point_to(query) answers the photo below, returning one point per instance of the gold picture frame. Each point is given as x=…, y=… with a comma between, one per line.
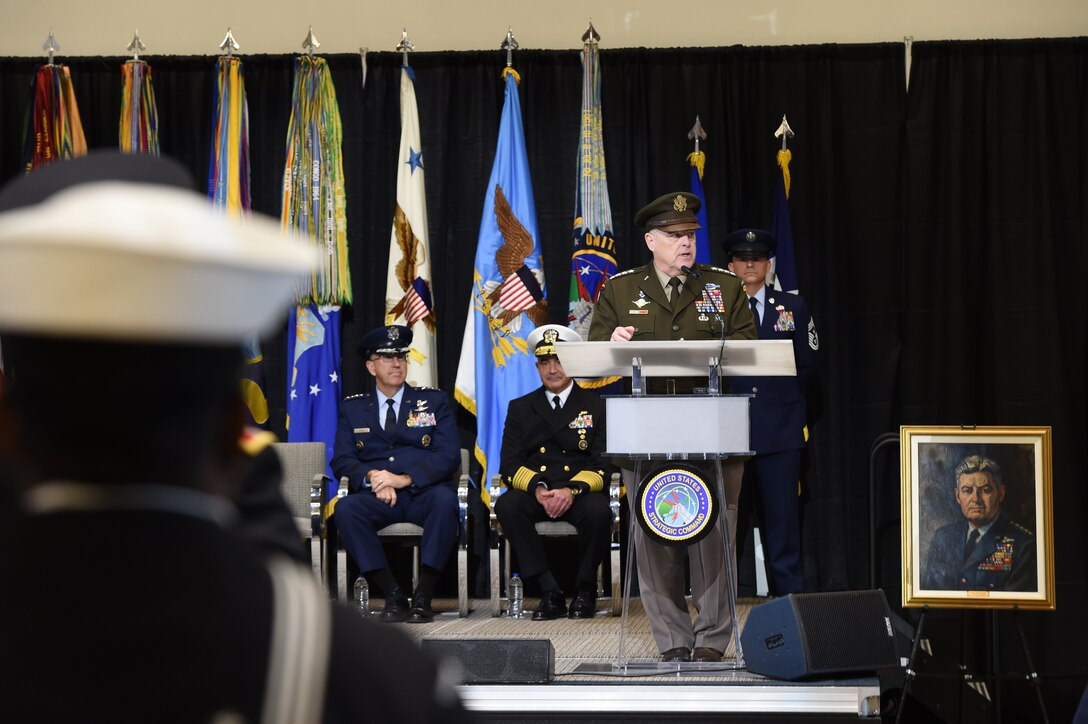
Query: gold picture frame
x=993, y=479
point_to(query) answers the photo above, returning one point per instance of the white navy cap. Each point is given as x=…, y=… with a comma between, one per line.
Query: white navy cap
x=137, y=261
x=543, y=338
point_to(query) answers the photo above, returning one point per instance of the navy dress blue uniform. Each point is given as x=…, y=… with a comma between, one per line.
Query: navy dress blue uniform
x=424, y=444
x=778, y=417
x=563, y=448
x=1004, y=559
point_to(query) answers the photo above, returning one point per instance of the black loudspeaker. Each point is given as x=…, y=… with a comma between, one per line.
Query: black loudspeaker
x=817, y=634
x=498, y=661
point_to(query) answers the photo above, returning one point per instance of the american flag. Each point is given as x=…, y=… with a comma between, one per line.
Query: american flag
x=417, y=301
x=520, y=291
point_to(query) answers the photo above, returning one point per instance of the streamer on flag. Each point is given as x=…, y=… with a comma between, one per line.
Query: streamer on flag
x=784, y=263
x=313, y=206
x=228, y=189
x=139, y=127
x=408, y=297
x=496, y=363
x=697, y=159
x=54, y=130
x=594, y=258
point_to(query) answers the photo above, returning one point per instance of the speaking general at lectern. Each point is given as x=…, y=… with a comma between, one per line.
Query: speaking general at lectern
x=673, y=298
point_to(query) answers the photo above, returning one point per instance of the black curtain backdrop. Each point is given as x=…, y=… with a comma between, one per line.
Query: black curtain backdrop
x=940, y=234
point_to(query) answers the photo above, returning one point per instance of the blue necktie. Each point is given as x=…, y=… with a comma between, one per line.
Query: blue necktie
x=755, y=309
x=390, y=416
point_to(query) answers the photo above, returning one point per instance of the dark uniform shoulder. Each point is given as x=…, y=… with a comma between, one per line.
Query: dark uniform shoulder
x=1016, y=528
x=358, y=396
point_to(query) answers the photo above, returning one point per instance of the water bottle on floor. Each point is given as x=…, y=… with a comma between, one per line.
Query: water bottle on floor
x=515, y=591
x=362, y=596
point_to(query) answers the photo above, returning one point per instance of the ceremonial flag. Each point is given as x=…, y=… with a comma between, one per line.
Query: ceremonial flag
x=496, y=363
x=139, y=127
x=54, y=129
x=594, y=259
x=228, y=189
x=697, y=159
x=313, y=384
x=313, y=206
x=408, y=299
x=785, y=267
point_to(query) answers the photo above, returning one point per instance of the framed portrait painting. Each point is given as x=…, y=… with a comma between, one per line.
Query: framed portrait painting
x=977, y=518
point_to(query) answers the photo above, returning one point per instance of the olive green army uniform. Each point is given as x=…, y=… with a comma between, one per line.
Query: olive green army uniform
x=637, y=298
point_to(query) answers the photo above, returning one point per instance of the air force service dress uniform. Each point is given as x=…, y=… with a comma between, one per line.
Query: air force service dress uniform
x=423, y=444
x=710, y=306
x=777, y=415
x=555, y=448
x=1004, y=559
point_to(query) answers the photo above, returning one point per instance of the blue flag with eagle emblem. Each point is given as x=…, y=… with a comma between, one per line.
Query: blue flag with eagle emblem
x=508, y=298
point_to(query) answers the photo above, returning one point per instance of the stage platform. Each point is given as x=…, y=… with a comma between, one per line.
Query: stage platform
x=708, y=694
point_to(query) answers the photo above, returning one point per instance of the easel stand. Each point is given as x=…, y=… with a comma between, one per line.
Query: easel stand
x=965, y=676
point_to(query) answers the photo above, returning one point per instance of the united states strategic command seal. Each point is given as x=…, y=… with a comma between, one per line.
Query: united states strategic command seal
x=676, y=506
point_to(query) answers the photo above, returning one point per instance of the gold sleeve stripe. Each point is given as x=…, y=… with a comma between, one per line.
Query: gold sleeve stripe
x=593, y=478
x=522, y=478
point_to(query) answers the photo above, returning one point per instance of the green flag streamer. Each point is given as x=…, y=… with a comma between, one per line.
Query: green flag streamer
x=313, y=181
x=139, y=127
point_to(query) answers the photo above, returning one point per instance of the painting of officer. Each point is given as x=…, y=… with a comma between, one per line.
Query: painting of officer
x=989, y=544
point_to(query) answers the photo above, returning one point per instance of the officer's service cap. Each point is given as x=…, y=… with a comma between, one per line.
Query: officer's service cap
x=390, y=339
x=672, y=212
x=750, y=244
x=543, y=339
x=111, y=247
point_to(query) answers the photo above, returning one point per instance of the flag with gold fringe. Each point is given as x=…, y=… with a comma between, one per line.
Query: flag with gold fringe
x=508, y=298
x=54, y=129
x=228, y=189
x=785, y=266
x=697, y=159
x=139, y=127
x=313, y=207
x=408, y=299
x=594, y=258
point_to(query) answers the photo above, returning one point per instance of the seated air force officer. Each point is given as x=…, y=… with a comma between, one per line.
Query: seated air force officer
x=399, y=450
x=778, y=409
x=552, y=467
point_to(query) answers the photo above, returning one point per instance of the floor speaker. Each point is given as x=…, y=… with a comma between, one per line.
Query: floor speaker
x=497, y=661
x=818, y=634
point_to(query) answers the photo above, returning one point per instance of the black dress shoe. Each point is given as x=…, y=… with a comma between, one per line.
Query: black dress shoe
x=584, y=605
x=421, y=611
x=704, y=653
x=552, y=606
x=396, y=607
x=677, y=654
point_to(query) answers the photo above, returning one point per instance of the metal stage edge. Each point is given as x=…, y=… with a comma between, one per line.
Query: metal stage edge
x=861, y=699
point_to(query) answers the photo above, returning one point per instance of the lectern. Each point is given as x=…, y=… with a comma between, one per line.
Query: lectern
x=643, y=428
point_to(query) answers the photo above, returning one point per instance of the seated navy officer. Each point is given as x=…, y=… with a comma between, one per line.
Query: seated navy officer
x=551, y=464
x=777, y=410
x=399, y=450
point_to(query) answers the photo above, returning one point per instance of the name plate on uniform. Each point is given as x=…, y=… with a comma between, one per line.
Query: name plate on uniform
x=661, y=425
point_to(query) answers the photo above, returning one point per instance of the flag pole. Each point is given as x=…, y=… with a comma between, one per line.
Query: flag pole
x=405, y=46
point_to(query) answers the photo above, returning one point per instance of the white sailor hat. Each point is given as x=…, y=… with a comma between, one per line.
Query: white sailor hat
x=543, y=338
x=128, y=261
